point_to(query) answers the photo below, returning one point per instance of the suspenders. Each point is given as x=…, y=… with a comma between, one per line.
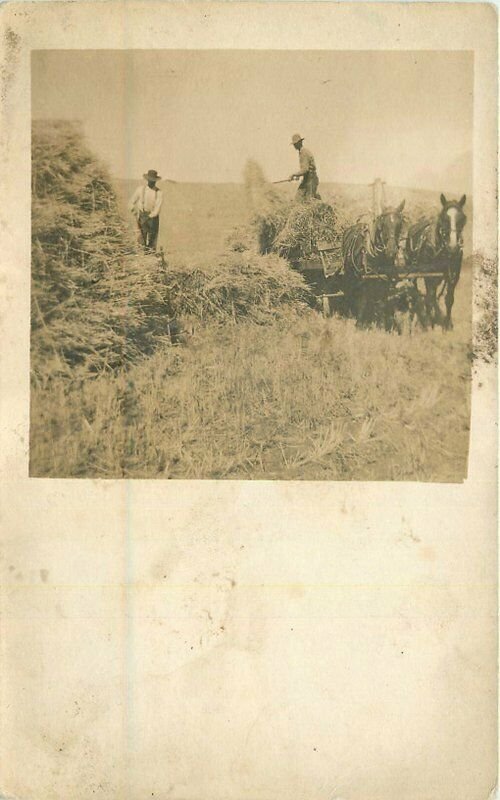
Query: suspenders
x=144, y=195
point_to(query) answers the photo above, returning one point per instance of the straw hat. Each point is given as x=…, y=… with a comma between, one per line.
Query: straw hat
x=152, y=175
x=296, y=138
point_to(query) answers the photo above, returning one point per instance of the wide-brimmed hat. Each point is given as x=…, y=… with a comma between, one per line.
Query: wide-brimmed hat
x=152, y=175
x=296, y=138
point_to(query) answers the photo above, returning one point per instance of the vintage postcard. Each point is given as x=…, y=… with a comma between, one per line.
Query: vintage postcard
x=248, y=405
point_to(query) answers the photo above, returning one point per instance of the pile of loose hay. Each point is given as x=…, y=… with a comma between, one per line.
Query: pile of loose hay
x=98, y=301
x=238, y=285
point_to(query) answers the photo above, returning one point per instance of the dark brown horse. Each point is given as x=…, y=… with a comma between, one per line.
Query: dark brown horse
x=435, y=245
x=369, y=251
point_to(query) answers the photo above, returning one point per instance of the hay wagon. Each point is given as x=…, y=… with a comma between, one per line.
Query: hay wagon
x=312, y=242
x=324, y=272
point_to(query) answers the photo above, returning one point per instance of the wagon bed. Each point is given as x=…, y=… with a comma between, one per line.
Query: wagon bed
x=327, y=267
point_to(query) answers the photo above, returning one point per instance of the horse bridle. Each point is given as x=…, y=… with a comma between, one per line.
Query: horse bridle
x=380, y=248
x=441, y=233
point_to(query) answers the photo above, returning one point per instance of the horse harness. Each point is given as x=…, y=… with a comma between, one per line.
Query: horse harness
x=374, y=244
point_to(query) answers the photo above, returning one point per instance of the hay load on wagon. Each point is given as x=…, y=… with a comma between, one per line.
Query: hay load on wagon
x=279, y=224
x=307, y=234
x=309, y=227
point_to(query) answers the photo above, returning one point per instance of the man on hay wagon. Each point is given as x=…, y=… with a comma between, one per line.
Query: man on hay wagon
x=145, y=205
x=308, y=187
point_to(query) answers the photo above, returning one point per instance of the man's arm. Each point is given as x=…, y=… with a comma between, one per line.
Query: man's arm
x=133, y=200
x=305, y=163
x=157, y=205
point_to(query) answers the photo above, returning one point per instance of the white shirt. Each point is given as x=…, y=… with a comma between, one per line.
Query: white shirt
x=146, y=199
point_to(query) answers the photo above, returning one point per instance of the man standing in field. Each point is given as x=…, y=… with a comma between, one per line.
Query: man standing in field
x=145, y=205
x=308, y=187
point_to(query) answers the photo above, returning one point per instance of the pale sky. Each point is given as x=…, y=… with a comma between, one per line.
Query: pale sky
x=199, y=115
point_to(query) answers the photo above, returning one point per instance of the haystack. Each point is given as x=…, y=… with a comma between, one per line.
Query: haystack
x=98, y=301
x=237, y=285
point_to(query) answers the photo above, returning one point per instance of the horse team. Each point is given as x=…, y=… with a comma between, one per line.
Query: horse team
x=382, y=260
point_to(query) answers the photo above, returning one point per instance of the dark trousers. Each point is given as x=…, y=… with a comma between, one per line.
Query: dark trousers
x=148, y=230
x=308, y=187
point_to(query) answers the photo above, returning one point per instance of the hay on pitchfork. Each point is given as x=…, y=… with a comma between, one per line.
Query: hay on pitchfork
x=268, y=210
x=279, y=224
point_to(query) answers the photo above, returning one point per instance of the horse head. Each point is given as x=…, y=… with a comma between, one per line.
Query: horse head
x=451, y=222
x=388, y=227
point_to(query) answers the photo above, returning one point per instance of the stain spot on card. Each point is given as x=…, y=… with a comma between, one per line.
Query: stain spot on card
x=407, y=531
x=165, y=565
x=11, y=50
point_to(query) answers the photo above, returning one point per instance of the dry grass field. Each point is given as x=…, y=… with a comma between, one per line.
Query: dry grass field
x=307, y=398
x=285, y=394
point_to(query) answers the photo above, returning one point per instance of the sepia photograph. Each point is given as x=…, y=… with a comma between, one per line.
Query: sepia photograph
x=252, y=265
